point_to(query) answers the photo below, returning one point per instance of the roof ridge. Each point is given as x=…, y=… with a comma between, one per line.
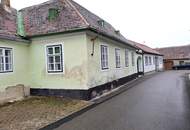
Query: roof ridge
x=77, y=11
x=174, y=46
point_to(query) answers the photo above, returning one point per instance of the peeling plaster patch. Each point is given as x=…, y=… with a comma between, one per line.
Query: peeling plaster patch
x=76, y=72
x=96, y=82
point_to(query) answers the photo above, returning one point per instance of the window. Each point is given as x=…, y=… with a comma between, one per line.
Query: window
x=54, y=58
x=126, y=58
x=101, y=23
x=181, y=62
x=133, y=58
x=154, y=60
x=104, y=57
x=146, y=60
x=150, y=60
x=117, y=58
x=53, y=14
x=6, y=62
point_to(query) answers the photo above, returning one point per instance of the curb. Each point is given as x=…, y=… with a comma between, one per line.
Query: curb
x=71, y=116
x=98, y=101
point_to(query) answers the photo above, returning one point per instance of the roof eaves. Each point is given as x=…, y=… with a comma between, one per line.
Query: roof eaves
x=153, y=53
x=56, y=33
x=14, y=39
x=111, y=37
x=84, y=29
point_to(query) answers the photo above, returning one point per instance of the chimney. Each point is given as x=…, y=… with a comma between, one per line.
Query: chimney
x=6, y=4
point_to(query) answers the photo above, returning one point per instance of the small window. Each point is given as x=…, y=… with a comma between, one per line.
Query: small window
x=181, y=62
x=101, y=23
x=126, y=58
x=104, y=57
x=53, y=14
x=6, y=62
x=146, y=60
x=118, y=58
x=154, y=59
x=150, y=60
x=54, y=58
x=133, y=58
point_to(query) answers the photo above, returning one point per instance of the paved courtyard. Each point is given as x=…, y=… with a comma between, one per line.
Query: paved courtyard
x=159, y=103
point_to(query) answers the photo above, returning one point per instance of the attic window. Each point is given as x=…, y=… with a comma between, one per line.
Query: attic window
x=53, y=14
x=117, y=32
x=101, y=23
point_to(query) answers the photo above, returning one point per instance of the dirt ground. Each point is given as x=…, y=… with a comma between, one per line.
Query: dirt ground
x=37, y=112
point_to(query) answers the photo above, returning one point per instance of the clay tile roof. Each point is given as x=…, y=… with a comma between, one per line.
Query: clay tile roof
x=72, y=16
x=180, y=52
x=145, y=48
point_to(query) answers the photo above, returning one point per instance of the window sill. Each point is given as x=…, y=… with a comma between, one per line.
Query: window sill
x=105, y=70
x=7, y=72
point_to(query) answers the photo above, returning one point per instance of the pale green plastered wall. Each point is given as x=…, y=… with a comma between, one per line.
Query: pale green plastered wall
x=20, y=62
x=75, y=62
x=81, y=70
x=97, y=76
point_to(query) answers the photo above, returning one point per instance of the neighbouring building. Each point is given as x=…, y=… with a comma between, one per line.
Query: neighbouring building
x=60, y=48
x=151, y=59
x=176, y=57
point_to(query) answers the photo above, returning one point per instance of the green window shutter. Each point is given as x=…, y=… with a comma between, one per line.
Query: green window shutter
x=53, y=14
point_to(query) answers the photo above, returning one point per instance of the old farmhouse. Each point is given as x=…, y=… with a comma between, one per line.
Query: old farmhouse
x=60, y=48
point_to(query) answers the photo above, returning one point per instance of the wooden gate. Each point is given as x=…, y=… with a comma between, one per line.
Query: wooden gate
x=168, y=64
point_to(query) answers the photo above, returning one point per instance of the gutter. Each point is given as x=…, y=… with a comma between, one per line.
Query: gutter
x=153, y=53
x=14, y=39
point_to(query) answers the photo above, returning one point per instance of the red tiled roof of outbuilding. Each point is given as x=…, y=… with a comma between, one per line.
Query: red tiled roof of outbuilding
x=178, y=52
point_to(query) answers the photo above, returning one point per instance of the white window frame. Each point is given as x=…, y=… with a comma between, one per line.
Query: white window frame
x=117, y=58
x=154, y=60
x=150, y=60
x=126, y=58
x=133, y=58
x=62, y=70
x=4, y=69
x=146, y=60
x=104, y=50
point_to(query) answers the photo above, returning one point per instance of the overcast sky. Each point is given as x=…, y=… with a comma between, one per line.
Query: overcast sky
x=157, y=23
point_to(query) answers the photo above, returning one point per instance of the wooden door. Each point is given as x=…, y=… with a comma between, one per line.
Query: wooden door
x=168, y=65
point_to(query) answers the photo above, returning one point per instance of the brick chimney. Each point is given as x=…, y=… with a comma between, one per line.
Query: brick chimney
x=6, y=5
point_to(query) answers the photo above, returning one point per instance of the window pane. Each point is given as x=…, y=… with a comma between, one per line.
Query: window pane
x=1, y=52
x=51, y=67
x=57, y=50
x=1, y=67
x=1, y=60
x=7, y=52
x=7, y=60
x=7, y=67
x=50, y=50
x=51, y=60
x=58, y=67
x=57, y=59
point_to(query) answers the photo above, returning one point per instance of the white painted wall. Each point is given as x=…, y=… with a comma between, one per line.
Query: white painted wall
x=97, y=76
x=149, y=67
x=177, y=62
